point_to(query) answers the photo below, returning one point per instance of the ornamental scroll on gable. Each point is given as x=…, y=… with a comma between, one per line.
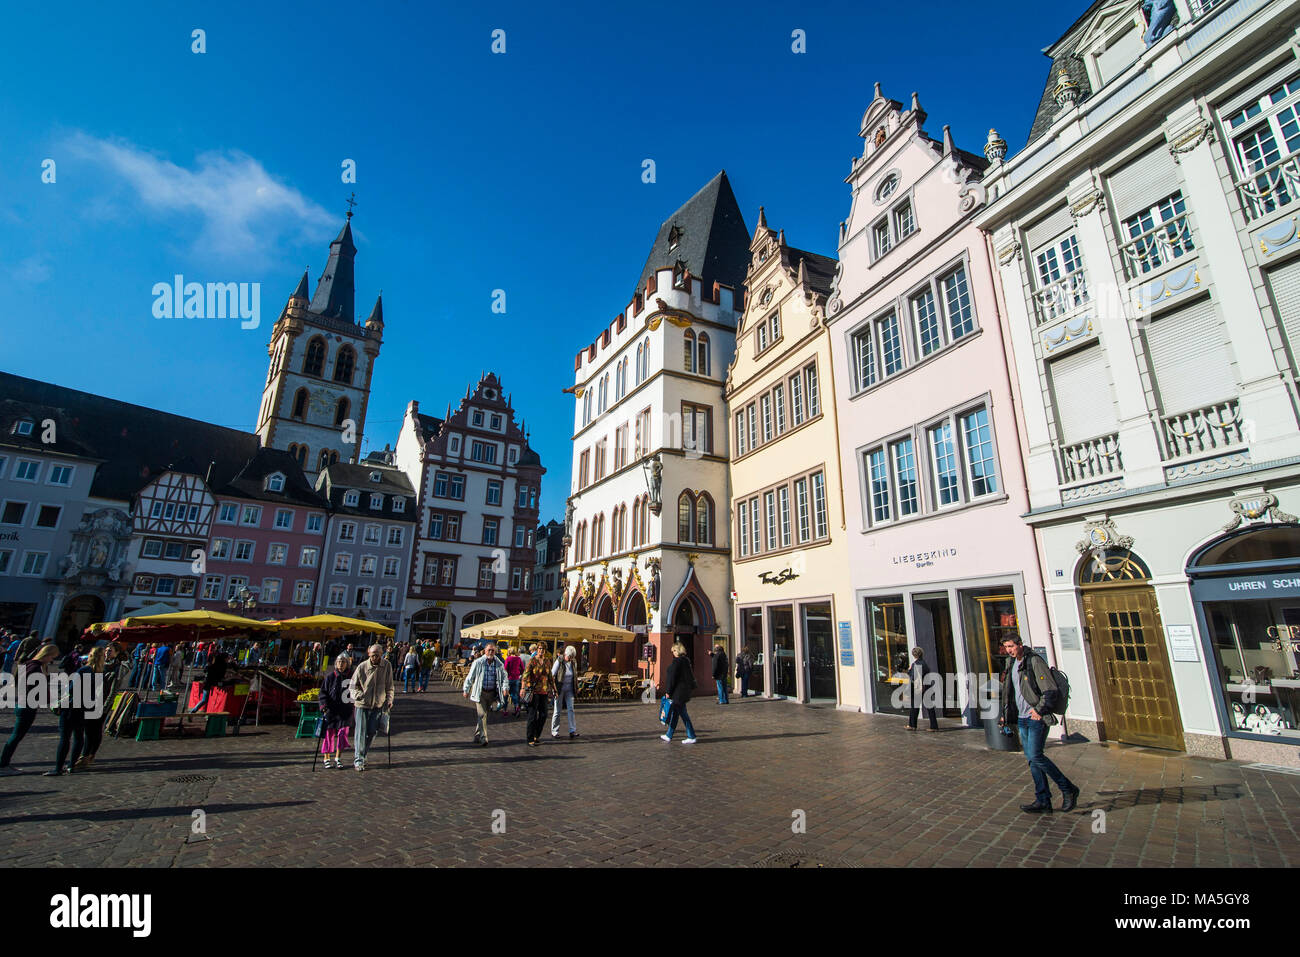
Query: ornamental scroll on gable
x=1101, y=537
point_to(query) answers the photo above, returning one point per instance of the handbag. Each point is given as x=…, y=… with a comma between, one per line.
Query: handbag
x=382, y=724
x=665, y=705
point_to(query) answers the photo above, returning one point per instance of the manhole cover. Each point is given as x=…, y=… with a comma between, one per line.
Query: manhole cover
x=189, y=779
x=794, y=859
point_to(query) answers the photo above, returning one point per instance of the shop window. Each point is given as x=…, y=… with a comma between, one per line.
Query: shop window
x=890, y=648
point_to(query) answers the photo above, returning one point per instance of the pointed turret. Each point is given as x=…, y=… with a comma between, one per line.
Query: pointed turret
x=762, y=219
x=707, y=234
x=376, y=320
x=300, y=293
x=336, y=291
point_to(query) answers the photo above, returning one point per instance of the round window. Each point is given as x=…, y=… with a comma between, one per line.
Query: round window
x=887, y=188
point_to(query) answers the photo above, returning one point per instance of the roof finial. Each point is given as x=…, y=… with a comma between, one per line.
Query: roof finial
x=352, y=201
x=947, y=141
x=762, y=218
x=879, y=94
x=916, y=102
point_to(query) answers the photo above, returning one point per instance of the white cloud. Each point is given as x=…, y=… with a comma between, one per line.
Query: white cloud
x=33, y=269
x=243, y=209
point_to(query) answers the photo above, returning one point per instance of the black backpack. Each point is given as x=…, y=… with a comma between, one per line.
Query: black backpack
x=1062, y=685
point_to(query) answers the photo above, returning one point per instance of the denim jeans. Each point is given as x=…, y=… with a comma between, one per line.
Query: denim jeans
x=367, y=725
x=744, y=686
x=483, y=706
x=409, y=675
x=23, y=718
x=722, y=690
x=514, y=693
x=1033, y=735
x=72, y=733
x=159, y=677
x=563, y=700
x=203, y=699
x=679, y=711
x=424, y=679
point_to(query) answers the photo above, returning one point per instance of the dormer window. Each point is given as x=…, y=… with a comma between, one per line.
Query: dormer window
x=275, y=482
x=23, y=427
x=375, y=477
x=351, y=497
x=674, y=237
x=679, y=274
x=399, y=504
x=376, y=501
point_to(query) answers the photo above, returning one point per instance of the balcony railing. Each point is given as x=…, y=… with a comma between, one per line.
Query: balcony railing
x=1210, y=429
x=1270, y=188
x=1201, y=7
x=1062, y=297
x=1092, y=459
x=1159, y=246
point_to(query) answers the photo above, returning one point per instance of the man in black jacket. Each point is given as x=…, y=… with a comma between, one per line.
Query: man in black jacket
x=1029, y=698
x=720, y=673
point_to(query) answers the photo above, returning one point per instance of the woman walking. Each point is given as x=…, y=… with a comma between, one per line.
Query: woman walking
x=679, y=684
x=336, y=713
x=538, y=687
x=111, y=667
x=410, y=670
x=38, y=664
x=918, y=673
x=72, y=715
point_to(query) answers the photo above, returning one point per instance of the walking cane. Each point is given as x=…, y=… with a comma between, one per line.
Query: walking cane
x=389, y=738
x=315, y=751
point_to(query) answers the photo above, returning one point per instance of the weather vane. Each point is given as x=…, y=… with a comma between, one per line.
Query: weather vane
x=352, y=201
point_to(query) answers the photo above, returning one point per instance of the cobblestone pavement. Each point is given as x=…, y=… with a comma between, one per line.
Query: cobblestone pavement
x=870, y=792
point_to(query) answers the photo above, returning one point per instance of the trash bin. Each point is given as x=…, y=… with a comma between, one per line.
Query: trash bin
x=994, y=738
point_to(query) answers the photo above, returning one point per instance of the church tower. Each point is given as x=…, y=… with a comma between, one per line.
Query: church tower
x=318, y=383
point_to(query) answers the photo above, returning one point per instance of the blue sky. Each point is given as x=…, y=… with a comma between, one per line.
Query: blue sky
x=475, y=171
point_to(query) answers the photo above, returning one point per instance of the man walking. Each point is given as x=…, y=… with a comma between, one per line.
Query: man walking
x=1029, y=697
x=720, y=673
x=484, y=685
x=514, y=666
x=372, y=693
x=161, y=659
x=744, y=668
x=565, y=673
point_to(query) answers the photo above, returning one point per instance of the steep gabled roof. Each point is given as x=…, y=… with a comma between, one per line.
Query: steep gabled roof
x=710, y=237
x=1062, y=55
x=250, y=480
x=136, y=443
x=428, y=427
x=819, y=269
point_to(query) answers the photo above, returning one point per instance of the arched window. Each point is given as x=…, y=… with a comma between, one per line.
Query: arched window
x=703, y=519
x=685, y=517
x=299, y=404
x=645, y=519
x=580, y=550
x=689, y=357
x=341, y=411
x=344, y=365
x=586, y=407
x=622, y=528
x=702, y=354
x=323, y=460
x=598, y=537
x=302, y=456
x=314, y=362
x=604, y=392
x=636, y=521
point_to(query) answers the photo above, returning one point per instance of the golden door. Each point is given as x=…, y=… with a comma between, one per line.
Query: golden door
x=1138, y=702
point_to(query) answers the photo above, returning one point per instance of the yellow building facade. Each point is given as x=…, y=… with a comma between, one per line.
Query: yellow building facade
x=793, y=602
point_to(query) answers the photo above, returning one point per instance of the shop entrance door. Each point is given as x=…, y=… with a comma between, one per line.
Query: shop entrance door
x=1127, y=645
x=819, y=652
x=934, y=636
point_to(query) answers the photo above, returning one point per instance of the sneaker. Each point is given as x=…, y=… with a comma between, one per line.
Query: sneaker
x=555, y=734
x=359, y=767
x=664, y=737
x=55, y=773
x=10, y=770
x=688, y=740
x=573, y=734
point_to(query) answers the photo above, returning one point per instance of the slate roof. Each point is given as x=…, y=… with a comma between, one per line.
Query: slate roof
x=250, y=480
x=136, y=443
x=336, y=292
x=338, y=478
x=1061, y=54
x=428, y=426
x=820, y=269
x=714, y=242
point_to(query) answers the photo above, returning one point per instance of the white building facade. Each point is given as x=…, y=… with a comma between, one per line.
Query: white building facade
x=1148, y=255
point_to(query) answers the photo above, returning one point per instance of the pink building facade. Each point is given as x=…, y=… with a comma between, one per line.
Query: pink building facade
x=938, y=552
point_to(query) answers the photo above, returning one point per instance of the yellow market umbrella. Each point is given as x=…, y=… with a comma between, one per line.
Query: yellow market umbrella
x=562, y=626
x=492, y=629
x=328, y=626
x=199, y=618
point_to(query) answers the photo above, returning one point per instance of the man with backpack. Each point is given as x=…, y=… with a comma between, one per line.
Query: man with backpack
x=1032, y=696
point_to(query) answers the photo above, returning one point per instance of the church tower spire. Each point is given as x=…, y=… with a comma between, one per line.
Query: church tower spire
x=318, y=387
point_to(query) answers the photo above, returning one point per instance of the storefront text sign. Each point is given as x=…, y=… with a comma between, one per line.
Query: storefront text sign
x=780, y=578
x=1182, y=642
x=1246, y=588
x=846, y=644
x=925, y=559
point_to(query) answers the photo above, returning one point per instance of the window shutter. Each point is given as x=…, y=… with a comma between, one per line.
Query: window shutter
x=1144, y=182
x=1190, y=358
x=1085, y=406
x=1048, y=228
x=1285, y=283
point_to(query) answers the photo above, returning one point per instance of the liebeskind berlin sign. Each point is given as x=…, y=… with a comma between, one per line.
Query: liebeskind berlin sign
x=925, y=559
x=38, y=692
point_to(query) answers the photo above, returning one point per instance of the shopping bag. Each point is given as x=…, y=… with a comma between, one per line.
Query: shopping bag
x=664, y=706
x=382, y=724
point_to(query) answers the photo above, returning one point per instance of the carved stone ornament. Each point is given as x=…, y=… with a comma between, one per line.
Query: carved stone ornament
x=616, y=584
x=995, y=150
x=1101, y=536
x=1008, y=252
x=1190, y=138
x=678, y=317
x=1082, y=207
x=1255, y=508
x=1067, y=92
